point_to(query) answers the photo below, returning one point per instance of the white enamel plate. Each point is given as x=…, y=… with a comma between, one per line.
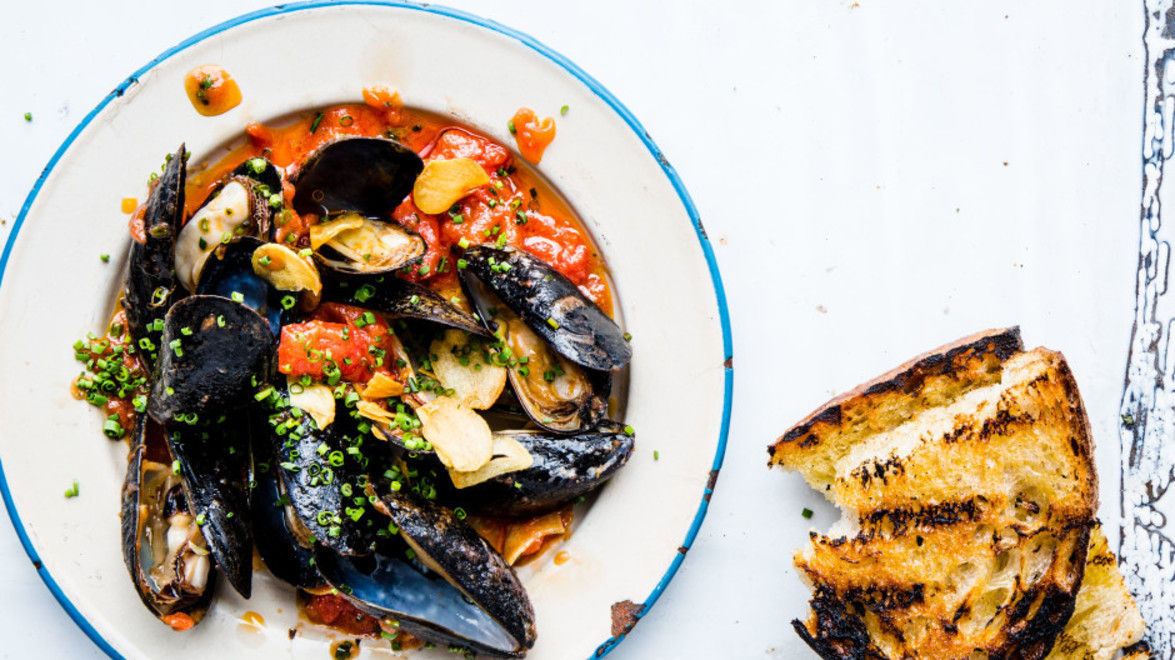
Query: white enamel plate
x=54, y=289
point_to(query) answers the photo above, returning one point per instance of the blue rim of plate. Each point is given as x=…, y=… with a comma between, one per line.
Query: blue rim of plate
x=543, y=50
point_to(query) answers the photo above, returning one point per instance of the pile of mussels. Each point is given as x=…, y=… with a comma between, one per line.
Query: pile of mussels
x=342, y=506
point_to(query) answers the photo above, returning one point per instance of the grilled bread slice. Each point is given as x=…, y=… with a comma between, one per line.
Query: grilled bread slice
x=1106, y=618
x=969, y=491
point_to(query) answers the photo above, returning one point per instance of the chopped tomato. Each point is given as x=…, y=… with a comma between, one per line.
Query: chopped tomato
x=456, y=143
x=353, y=341
x=335, y=611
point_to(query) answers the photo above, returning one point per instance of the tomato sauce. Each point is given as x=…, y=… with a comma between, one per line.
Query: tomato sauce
x=211, y=90
x=517, y=208
x=532, y=135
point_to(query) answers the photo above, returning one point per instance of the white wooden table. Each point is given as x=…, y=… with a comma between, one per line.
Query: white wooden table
x=830, y=146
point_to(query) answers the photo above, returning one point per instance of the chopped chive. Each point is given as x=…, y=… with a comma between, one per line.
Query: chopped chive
x=807, y=513
x=317, y=121
x=510, y=126
x=563, y=110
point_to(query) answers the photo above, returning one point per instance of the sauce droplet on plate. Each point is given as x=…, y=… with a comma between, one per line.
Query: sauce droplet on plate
x=254, y=618
x=533, y=136
x=561, y=557
x=212, y=90
x=129, y=204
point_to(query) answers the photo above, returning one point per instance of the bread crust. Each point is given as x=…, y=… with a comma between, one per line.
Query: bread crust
x=961, y=356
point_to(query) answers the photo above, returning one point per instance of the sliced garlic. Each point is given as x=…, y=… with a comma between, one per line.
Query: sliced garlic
x=316, y=400
x=382, y=386
x=476, y=388
x=375, y=413
x=460, y=437
x=323, y=232
x=285, y=270
x=443, y=182
x=509, y=456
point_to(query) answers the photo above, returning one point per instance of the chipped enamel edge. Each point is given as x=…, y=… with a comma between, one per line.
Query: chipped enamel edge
x=598, y=89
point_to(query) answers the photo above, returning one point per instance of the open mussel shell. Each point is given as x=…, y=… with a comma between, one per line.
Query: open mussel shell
x=214, y=459
x=263, y=172
x=240, y=206
x=397, y=298
x=214, y=351
x=151, y=285
x=229, y=273
x=365, y=175
x=322, y=471
x=552, y=306
x=451, y=547
x=556, y=393
x=564, y=468
x=163, y=546
x=279, y=547
x=424, y=605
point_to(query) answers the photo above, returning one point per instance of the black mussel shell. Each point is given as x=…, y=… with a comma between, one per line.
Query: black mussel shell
x=213, y=354
x=397, y=298
x=279, y=547
x=425, y=605
x=557, y=394
x=151, y=494
x=229, y=271
x=565, y=467
x=366, y=175
x=215, y=461
x=552, y=306
x=323, y=473
x=450, y=546
x=151, y=284
x=263, y=172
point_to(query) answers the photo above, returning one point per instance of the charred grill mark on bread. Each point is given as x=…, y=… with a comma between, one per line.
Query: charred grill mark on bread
x=969, y=491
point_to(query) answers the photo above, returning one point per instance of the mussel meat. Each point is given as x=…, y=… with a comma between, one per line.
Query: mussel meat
x=240, y=206
x=556, y=393
x=162, y=543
